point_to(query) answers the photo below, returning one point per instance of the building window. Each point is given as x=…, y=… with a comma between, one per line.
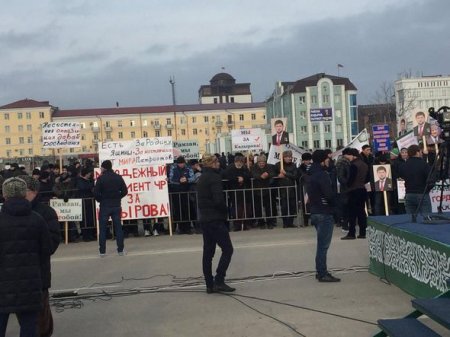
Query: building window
x=21, y=140
x=315, y=128
x=41, y=114
x=317, y=144
x=30, y=151
x=30, y=140
x=303, y=114
x=325, y=98
x=305, y=144
x=83, y=125
x=132, y=123
x=7, y=141
x=7, y=128
x=157, y=122
x=119, y=123
x=182, y=120
x=169, y=133
x=8, y=153
x=340, y=142
x=352, y=99
x=215, y=100
x=206, y=119
x=144, y=122
x=133, y=134
x=19, y=115
x=304, y=129
x=29, y=127
x=194, y=119
x=253, y=117
x=84, y=148
x=20, y=128
x=327, y=128
x=108, y=124
x=241, y=117
x=108, y=135
x=328, y=143
x=21, y=152
x=194, y=131
x=301, y=99
x=28, y=115
x=183, y=132
x=157, y=133
x=313, y=99
x=232, y=99
x=145, y=134
x=6, y=116
x=168, y=121
x=120, y=135
x=83, y=137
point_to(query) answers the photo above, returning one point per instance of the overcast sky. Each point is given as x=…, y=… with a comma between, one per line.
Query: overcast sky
x=92, y=53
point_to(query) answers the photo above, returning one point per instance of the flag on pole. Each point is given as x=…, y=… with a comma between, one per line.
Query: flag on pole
x=340, y=65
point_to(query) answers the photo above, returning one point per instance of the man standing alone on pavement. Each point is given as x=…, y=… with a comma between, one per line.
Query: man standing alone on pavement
x=109, y=189
x=212, y=211
x=321, y=198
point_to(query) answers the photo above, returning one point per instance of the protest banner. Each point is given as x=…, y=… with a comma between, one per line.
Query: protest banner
x=407, y=140
x=381, y=137
x=187, y=148
x=321, y=115
x=275, y=153
x=56, y=135
x=357, y=143
x=67, y=211
x=247, y=140
x=435, y=196
x=138, y=152
x=142, y=164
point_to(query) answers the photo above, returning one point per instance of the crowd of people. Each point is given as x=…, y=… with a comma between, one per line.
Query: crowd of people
x=257, y=193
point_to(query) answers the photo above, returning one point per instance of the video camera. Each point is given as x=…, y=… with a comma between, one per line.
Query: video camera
x=442, y=115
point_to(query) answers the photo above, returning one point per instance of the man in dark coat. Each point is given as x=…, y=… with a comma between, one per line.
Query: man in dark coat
x=212, y=211
x=24, y=247
x=286, y=179
x=108, y=191
x=45, y=320
x=322, y=198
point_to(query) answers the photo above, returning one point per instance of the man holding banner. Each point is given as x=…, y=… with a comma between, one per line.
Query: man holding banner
x=109, y=189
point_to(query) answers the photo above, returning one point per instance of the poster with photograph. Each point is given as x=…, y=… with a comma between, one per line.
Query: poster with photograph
x=279, y=134
x=421, y=126
x=383, y=178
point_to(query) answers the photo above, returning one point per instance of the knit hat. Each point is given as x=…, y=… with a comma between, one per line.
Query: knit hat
x=107, y=165
x=180, y=160
x=14, y=188
x=208, y=159
x=319, y=156
x=32, y=184
x=262, y=157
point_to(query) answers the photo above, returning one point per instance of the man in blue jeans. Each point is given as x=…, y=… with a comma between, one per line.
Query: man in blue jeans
x=321, y=197
x=109, y=189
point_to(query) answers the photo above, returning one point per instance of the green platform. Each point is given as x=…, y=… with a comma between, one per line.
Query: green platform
x=414, y=257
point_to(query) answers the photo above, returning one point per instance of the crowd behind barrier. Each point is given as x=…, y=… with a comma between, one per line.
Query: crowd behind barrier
x=258, y=195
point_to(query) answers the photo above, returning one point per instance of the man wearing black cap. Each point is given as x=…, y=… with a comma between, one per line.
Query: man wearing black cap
x=321, y=198
x=109, y=189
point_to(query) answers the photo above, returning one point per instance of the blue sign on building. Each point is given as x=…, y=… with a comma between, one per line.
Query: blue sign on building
x=321, y=115
x=381, y=139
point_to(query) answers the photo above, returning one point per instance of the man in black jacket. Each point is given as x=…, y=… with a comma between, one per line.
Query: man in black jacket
x=321, y=197
x=24, y=247
x=415, y=173
x=212, y=211
x=109, y=189
x=45, y=320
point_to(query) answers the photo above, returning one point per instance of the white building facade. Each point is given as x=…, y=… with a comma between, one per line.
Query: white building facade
x=420, y=93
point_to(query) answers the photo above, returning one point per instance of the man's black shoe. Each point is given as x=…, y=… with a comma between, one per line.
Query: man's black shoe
x=348, y=237
x=329, y=278
x=361, y=236
x=222, y=287
x=209, y=290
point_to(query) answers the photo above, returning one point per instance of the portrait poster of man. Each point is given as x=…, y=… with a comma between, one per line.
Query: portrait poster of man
x=383, y=178
x=421, y=125
x=279, y=134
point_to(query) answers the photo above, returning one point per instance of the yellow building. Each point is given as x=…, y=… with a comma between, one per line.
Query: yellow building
x=22, y=139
